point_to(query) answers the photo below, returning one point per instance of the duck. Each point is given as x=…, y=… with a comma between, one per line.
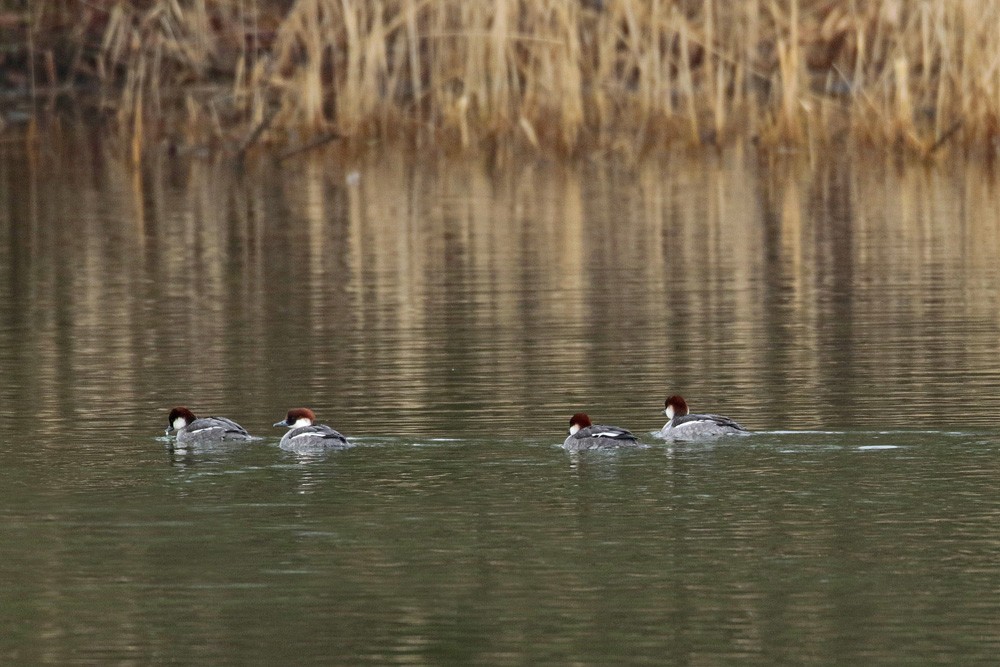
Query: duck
x=191, y=430
x=305, y=433
x=682, y=425
x=583, y=434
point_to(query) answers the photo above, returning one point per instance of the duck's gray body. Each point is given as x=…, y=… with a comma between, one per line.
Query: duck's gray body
x=698, y=427
x=209, y=430
x=600, y=437
x=313, y=437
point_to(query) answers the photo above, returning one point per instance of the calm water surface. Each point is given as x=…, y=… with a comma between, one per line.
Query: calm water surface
x=450, y=317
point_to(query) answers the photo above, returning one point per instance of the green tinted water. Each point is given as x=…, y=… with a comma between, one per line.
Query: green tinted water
x=450, y=318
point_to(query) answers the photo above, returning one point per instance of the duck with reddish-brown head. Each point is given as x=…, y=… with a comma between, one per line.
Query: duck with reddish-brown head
x=585, y=435
x=305, y=434
x=682, y=425
x=192, y=431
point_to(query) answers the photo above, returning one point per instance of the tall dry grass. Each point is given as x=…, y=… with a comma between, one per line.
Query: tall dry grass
x=563, y=75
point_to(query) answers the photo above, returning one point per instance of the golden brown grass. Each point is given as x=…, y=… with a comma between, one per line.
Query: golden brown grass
x=568, y=76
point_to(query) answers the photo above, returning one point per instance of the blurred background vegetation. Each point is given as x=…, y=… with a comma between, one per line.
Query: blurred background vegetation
x=919, y=77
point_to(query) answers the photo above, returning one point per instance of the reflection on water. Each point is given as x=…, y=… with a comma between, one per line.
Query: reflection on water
x=449, y=318
x=439, y=298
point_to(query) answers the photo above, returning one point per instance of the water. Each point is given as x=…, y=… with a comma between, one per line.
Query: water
x=449, y=317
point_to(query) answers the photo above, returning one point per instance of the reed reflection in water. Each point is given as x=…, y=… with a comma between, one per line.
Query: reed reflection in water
x=441, y=298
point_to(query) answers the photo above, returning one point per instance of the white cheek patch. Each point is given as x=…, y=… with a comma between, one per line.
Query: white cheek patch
x=302, y=421
x=179, y=423
x=573, y=429
x=669, y=412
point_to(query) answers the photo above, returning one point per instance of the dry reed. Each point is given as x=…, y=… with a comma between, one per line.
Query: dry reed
x=561, y=75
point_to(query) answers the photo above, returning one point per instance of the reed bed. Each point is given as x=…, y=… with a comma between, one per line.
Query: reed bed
x=564, y=76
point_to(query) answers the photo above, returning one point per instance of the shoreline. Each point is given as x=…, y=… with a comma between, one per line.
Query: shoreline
x=561, y=78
